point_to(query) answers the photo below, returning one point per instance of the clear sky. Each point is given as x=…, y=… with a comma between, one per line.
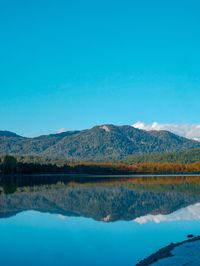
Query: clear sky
x=74, y=64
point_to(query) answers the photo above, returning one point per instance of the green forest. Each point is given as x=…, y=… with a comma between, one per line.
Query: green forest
x=171, y=163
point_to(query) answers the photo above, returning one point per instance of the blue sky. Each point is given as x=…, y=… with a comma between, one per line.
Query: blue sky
x=75, y=64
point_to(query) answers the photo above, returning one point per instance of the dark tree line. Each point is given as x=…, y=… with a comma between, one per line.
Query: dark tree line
x=9, y=165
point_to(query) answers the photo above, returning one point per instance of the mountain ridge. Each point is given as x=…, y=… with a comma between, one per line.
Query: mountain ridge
x=102, y=142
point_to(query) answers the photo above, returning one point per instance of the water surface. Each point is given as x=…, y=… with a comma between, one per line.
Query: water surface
x=96, y=222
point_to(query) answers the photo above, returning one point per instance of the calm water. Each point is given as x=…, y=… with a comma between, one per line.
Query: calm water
x=98, y=222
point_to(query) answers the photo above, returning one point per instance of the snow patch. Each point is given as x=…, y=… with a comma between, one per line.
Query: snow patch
x=107, y=218
x=106, y=128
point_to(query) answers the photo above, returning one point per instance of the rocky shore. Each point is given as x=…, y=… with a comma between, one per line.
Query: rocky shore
x=182, y=253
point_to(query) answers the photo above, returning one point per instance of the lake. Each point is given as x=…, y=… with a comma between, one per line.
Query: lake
x=94, y=220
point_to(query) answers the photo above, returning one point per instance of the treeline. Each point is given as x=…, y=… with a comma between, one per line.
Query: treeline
x=10, y=165
x=183, y=157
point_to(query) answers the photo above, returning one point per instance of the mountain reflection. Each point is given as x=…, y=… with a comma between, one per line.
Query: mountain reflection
x=105, y=199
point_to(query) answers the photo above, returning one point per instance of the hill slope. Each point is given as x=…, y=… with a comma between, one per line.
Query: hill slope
x=184, y=157
x=106, y=142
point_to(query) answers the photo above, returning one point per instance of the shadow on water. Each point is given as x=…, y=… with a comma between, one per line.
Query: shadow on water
x=10, y=183
x=32, y=180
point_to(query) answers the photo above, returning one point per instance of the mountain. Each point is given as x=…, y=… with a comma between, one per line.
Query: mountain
x=108, y=202
x=105, y=142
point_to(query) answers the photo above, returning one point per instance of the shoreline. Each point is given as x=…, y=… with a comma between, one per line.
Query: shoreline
x=105, y=175
x=165, y=252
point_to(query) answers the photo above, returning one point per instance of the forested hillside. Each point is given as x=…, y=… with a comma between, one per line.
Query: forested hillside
x=101, y=143
x=185, y=157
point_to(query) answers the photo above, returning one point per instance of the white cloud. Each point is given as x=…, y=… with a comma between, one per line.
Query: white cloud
x=61, y=130
x=190, y=131
x=189, y=213
x=61, y=217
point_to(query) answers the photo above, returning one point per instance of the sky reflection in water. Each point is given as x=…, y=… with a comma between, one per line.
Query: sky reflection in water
x=41, y=238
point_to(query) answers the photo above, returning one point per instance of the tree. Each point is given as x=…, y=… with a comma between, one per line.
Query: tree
x=9, y=164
